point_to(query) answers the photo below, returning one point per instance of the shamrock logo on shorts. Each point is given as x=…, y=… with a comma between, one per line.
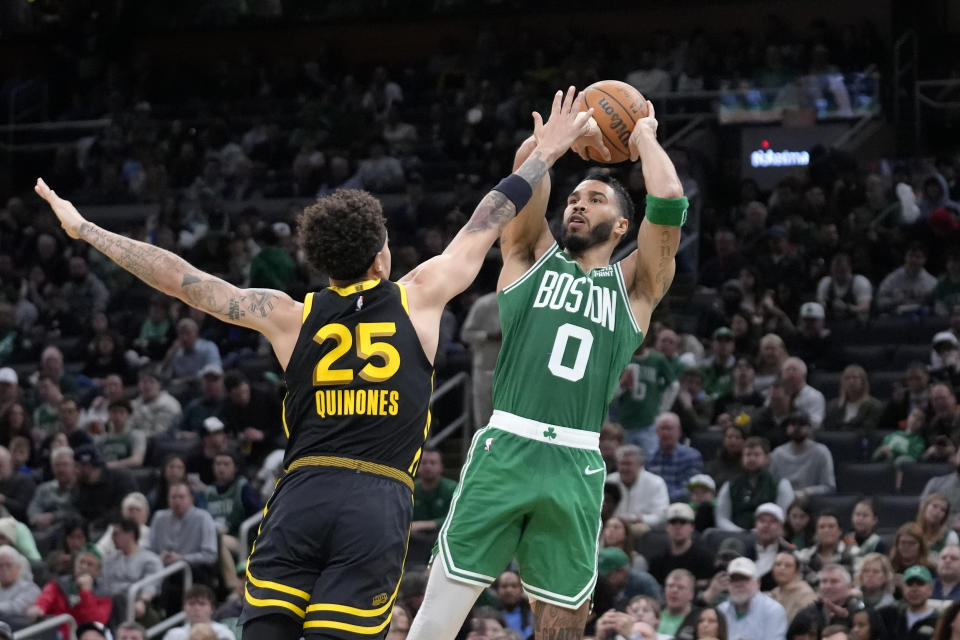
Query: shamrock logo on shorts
x=550, y=433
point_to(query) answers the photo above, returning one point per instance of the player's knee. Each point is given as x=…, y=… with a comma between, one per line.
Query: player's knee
x=275, y=626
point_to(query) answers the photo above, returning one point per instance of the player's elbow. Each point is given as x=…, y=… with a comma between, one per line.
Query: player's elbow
x=673, y=190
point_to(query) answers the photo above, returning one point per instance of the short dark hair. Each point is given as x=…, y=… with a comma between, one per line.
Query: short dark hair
x=234, y=379
x=756, y=441
x=624, y=201
x=342, y=233
x=799, y=418
x=129, y=525
x=200, y=592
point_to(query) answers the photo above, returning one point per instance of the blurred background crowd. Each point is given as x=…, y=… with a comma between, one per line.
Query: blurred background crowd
x=783, y=450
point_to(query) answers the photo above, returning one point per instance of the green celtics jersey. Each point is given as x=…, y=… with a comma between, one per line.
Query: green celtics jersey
x=567, y=336
x=648, y=376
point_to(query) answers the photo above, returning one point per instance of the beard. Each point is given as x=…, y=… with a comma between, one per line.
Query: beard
x=578, y=244
x=740, y=598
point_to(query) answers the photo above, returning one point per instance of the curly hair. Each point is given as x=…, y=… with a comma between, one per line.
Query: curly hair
x=341, y=233
x=624, y=201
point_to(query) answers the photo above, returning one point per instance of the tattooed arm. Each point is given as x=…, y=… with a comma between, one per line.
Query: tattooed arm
x=649, y=270
x=272, y=313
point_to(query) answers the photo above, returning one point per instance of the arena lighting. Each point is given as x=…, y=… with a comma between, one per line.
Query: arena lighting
x=769, y=158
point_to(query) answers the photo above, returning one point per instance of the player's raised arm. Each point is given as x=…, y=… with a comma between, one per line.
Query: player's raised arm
x=439, y=279
x=652, y=265
x=273, y=313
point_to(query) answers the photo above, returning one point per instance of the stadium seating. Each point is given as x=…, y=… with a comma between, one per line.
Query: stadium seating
x=917, y=474
x=892, y=511
x=840, y=504
x=868, y=478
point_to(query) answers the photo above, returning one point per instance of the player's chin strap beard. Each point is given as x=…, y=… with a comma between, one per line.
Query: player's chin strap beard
x=576, y=245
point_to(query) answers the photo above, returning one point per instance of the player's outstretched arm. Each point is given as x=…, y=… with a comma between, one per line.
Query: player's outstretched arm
x=439, y=279
x=652, y=265
x=272, y=313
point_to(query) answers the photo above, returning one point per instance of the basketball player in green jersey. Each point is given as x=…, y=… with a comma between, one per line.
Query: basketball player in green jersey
x=329, y=555
x=532, y=485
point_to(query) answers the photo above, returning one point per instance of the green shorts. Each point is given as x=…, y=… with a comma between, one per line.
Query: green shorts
x=530, y=497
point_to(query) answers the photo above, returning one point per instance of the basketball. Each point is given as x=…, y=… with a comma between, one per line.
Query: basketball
x=616, y=107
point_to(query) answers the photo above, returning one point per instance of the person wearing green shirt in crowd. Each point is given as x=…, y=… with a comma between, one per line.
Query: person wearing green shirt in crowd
x=718, y=368
x=432, y=495
x=231, y=499
x=640, y=396
x=946, y=295
x=210, y=402
x=679, y=589
x=907, y=445
x=156, y=331
x=122, y=447
x=273, y=267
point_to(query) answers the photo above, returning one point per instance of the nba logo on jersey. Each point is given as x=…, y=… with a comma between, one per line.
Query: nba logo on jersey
x=359, y=303
x=488, y=444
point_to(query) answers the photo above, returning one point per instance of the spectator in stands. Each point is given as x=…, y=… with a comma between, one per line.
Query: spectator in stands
x=914, y=618
x=639, y=397
x=16, y=489
x=946, y=586
x=648, y=78
x=933, y=518
x=678, y=591
x=59, y=561
x=780, y=263
x=829, y=548
x=78, y=594
x=739, y=498
x=944, y=424
x=945, y=359
x=914, y=393
x=864, y=538
x=126, y=564
x=907, y=288
x=835, y=604
x=729, y=460
x=229, y=611
x=213, y=442
x=684, y=552
x=122, y=447
x=231, y=499
x=10, y=393
x=94, y=418
x=189, y=353
x=798, y=530
x=792, y=591
x=51, y=364
x=693, y=404
x=876, y=581
x=432, y=496
x=616, y=533
x=17, y=591
x=156, y=332
x=52, y=503
x=482, y=333
x=134, y=507
x=69, y=424
x=154, y=411
x=174, y=470
x=813, y=342
x=909, y=548
x=805, y=398
x=253, y=418
x=743, y=398
x=84, y=293
x=611, y=437
x=770, y=359
x=945, y=625
x=99, y=490
x=198, y=604
x=843, y=294
x=767, y=537
x=721, y=310
x=807, y=464
x=854, y=408
x=703, y=500
x=726, y=262
x=674, y=462
x=668, y=343
x=718, y=368
x=751, y=615
x=46, y=414
x=273, y=267
x=909, y=445
x=946, y=295
x=617, y=583
x=11, y=338
x=184, y=532
x=210, y=402
x=514, y=603
x=645, y=497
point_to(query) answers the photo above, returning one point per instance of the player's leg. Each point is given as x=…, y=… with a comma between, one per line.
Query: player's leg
x=553, y=622
x=445, y=606
x=272, y=627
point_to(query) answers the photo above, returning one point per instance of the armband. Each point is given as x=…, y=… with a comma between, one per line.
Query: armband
x=669, y=212
x=516, y=189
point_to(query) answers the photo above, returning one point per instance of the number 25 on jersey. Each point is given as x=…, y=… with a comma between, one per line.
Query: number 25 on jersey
x=325, y=374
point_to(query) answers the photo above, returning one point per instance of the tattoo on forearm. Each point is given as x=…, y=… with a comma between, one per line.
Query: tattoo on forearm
x=175, y=276
x=495, y=210
x=662, y=277
x=555, y=623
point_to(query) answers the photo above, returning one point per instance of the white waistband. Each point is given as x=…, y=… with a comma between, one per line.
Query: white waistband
x=543, y=432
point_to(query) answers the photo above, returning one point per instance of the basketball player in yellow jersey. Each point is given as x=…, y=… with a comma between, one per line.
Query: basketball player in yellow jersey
x=532, y=486
x=358, y=358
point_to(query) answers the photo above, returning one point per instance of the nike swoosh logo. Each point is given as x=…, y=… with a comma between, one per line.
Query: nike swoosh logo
x=588, y=471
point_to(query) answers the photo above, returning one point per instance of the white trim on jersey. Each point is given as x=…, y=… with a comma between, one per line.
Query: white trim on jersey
x=536, y=265
x=543, y=432
x=618, y=270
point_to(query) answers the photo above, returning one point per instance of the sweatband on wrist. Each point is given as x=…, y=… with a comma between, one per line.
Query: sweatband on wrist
x=669, y=212
x=517, y=190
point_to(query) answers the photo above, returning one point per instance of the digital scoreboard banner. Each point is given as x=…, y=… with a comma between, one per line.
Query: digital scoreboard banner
x=769, y=154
